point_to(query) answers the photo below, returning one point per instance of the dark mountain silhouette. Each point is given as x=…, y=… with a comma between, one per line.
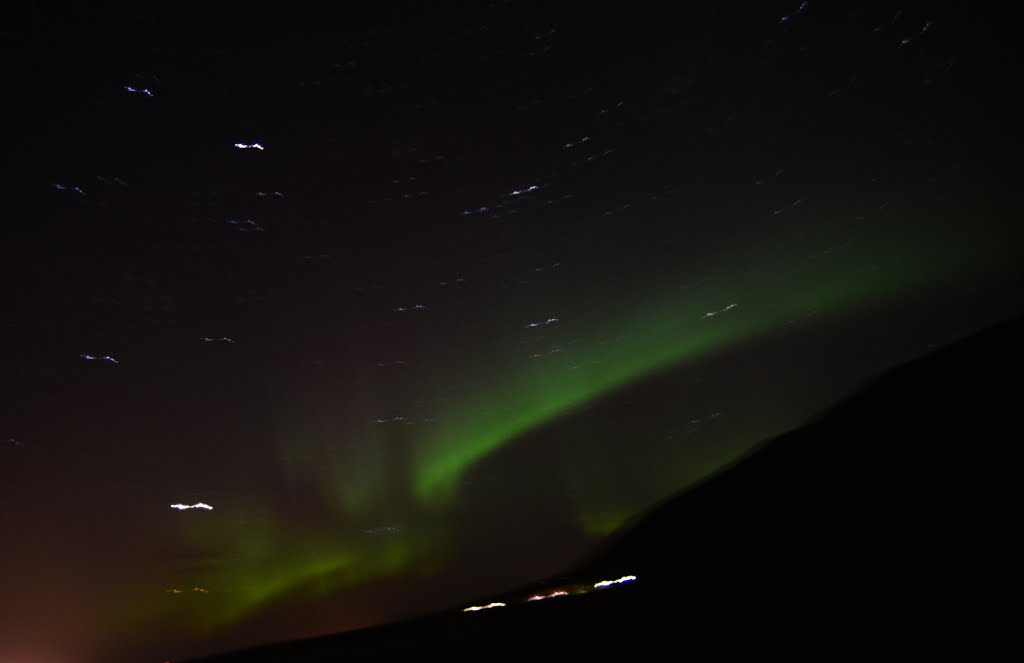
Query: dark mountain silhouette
x=885, y=527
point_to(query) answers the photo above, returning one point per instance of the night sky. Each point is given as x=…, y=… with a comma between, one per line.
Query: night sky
x=416, y=302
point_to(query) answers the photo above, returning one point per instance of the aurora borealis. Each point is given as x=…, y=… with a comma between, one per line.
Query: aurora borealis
x=317, y=321
x=667, y=331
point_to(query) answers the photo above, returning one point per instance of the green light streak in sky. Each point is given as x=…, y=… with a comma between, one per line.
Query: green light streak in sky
x=530, y=400
x=257, y=582
x=260, y=566
x=664, y=332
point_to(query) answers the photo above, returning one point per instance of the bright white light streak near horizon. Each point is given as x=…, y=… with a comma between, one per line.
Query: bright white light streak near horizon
x=541, y=597
x=609, y=583
x=477, y=608
x=249, y=146
x=198, y=505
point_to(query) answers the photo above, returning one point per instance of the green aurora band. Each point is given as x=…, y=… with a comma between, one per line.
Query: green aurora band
x=657, y=335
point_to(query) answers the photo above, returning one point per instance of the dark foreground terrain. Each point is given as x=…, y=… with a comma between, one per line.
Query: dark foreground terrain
x=884, y=528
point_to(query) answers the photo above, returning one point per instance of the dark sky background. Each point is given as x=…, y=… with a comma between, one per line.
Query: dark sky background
x=498, y=276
